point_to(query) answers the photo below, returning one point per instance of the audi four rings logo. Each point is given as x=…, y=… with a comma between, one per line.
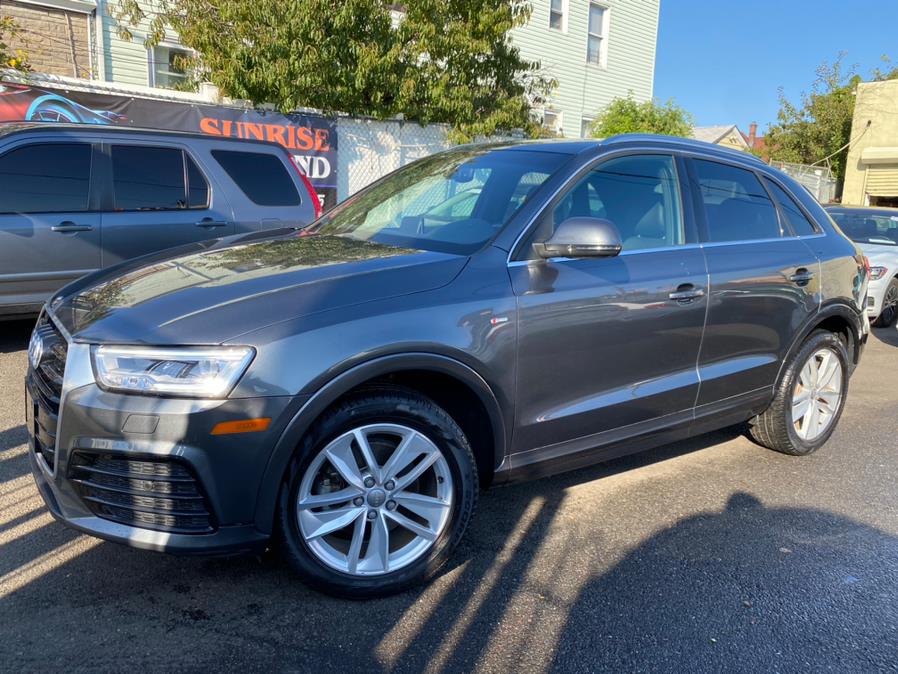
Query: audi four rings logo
x=35, y=349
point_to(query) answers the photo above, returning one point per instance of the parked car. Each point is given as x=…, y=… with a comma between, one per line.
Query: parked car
x=76, y=198
x=876, y=231
x=349, y=387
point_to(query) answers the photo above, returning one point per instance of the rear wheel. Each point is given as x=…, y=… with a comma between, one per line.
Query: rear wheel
x=809, y=399
x=378, y=495
x=889, y=312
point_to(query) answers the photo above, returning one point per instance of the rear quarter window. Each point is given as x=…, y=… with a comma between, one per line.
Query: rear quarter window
x=262, y=177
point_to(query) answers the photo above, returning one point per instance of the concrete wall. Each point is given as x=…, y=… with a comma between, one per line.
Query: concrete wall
x=584, y=90
x=876, y=103
x=50, y=35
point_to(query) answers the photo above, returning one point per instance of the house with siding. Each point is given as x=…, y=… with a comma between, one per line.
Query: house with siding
x=597, y=50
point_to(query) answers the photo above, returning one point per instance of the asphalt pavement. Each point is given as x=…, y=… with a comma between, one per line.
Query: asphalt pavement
x=708, y=555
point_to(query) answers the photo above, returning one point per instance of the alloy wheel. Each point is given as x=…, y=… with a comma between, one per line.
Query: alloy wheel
x=817, y=394
x=374, y=499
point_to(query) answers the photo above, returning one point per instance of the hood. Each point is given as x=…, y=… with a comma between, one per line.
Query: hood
x=186, y=296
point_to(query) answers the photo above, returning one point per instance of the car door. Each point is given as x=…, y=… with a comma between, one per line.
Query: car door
x=158, y=197
x=765, y=283
x=49, y=229
x=606, y=350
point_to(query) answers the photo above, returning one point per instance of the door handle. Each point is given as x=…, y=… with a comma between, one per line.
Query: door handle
x=68, y=227
x=209, y=223
x=686, y=293
x=802, y=276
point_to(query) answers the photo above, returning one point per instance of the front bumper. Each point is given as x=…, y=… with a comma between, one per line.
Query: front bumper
x=101, y=437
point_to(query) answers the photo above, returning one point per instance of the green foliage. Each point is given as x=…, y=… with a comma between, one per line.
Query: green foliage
x=626, y=115
x=819, y=126
x=444, y=61
x=15, y=59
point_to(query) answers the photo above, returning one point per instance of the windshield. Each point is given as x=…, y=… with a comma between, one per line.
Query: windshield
x=868, y=227
x=452, y=202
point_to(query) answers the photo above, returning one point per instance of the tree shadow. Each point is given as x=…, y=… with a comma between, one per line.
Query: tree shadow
x=535, y=585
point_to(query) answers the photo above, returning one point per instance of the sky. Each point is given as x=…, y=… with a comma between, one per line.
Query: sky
x=724, y=60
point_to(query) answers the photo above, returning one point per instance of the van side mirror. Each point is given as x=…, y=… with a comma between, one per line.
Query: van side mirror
x=581, y=237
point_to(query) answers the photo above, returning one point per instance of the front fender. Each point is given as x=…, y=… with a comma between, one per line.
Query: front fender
x=311, y=409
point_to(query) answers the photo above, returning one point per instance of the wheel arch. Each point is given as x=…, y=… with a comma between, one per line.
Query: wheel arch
x=410, y=370
x=840, y=319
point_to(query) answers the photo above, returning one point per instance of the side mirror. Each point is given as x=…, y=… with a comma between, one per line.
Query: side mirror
x=581, y=237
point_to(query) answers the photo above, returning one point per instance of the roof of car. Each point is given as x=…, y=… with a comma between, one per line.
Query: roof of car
x=576, y=146
x=869, y=210
x=9, y=128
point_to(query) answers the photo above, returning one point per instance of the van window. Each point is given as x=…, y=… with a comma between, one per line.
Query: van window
x=45, y=178
x=148, y=178
x=737, y=207
x=262, y=177
x=197, y=187
x=794, y=216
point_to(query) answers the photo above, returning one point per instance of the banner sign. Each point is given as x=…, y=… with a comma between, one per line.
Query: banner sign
x=311, y=139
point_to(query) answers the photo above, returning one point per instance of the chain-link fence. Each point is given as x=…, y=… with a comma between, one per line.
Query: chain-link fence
x=369, y=149
x=818, y=179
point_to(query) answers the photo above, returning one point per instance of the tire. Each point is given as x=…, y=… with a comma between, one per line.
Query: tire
x=776, y=429
x=889, y=312
x=385, y=417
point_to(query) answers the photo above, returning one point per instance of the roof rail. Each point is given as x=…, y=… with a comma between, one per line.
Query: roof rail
x=684, y=143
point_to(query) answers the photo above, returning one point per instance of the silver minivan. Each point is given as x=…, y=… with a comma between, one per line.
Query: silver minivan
x=77, y=198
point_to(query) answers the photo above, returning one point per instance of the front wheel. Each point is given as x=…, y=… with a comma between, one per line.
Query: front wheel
x=378, y=494
x=809, y=399
x=889, y=311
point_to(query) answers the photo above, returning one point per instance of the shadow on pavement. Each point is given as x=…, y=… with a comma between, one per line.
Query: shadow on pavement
x=886, y=335
x=14, y=335
x=534, y=586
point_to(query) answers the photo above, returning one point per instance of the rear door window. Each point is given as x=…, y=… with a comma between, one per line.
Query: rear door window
x=45, y=178
x=795, y=217
x=197, y=187
x=737, y=207
x=148, y=178
x=262, y=177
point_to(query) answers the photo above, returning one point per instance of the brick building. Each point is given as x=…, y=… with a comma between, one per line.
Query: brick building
x=56, y=34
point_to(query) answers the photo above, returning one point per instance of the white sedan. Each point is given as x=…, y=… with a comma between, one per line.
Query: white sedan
x=875, y=230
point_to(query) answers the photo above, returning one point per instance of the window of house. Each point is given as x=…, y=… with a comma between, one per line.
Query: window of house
x=45, y=178
x=558, y=15
x=262, y=177
x=794, y=216
x=586, y=127
x=639, y=194
x=553, y=121
x=737, y=207
x=596, y=42
x=167, y=66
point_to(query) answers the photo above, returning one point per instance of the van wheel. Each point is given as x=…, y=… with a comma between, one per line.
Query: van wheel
x=377, y=495
x=809, y=399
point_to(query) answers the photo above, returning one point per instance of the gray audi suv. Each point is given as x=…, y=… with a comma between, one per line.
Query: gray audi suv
x=349, y=387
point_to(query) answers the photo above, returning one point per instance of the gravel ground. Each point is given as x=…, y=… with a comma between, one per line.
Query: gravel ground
x=708, y=555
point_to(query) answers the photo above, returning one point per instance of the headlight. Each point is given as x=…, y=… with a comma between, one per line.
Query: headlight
x=877, y=273
x=200, y=372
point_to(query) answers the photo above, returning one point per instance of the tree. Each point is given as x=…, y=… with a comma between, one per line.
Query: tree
x=16, y=59
x=443, y=61
x=818, y=128
x=627, y=115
